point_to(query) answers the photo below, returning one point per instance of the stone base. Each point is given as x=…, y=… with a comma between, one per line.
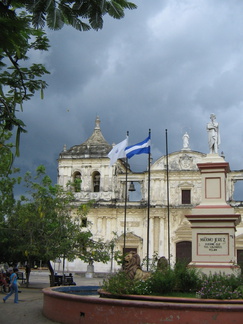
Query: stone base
x=89, y=275
x=90, y=271
x=213, y=158
x=216, y=267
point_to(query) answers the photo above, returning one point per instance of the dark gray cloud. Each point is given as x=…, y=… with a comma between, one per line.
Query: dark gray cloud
x=166, y=65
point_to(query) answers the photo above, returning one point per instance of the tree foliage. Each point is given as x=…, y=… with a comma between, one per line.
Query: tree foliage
x=18, y=80
x=8, y=179
x=80, y=14
x=21, y=26
x=90, y=250
x=43, y=228
x=46, y=224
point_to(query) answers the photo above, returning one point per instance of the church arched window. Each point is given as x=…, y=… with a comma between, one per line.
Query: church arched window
x=77, y=181
x=96, y=181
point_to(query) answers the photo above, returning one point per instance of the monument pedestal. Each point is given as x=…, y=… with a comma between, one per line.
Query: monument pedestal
x=90, y=271
x=213, y=222
x=213, y=242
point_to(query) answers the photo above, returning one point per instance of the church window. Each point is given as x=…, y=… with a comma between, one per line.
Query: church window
x=134, y=191
x=238, y=191
x=84, y=222
x=77, y=181
x=186, y=196
x=96, y=181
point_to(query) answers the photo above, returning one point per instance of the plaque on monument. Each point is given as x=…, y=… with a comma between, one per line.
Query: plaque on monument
x=213, y=244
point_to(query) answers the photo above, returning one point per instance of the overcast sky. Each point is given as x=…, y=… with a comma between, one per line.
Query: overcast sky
x=168, y=64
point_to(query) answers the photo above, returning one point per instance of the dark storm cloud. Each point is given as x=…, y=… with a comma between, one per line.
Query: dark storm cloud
x=166, y=65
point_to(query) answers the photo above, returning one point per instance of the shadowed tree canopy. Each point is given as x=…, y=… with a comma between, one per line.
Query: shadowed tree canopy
x=41, y=225
x=22, y=30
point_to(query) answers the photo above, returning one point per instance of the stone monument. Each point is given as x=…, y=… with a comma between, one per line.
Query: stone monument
x=213, y=221
x=213, y=135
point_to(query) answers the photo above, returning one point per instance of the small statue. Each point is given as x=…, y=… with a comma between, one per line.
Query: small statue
x=133, y=268
x=185, y=138
x=213, y=135
x=162, y=264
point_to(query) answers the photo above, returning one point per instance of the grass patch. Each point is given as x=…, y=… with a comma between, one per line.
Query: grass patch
x=180, y=294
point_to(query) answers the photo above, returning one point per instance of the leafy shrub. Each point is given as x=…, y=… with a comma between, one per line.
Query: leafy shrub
x=142, y=287
x=187, y=279
x=182, y=279
x=158, y=283
x=162, y=282
x=119, y=284
x=221, y=286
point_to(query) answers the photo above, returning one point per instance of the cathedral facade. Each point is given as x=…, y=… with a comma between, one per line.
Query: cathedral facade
x=175, y=189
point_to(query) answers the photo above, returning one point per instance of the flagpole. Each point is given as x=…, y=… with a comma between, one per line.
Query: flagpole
x=125, y=207
x=168, y=194
x=148, y=216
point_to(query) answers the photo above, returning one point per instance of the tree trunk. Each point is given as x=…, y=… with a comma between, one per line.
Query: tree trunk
x=52, y=275
x=27, y=274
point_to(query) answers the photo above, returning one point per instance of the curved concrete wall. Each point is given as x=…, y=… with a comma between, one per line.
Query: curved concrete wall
x=73, y=309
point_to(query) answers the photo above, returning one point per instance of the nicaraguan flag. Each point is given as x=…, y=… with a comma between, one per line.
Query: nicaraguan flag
x=118, y=151
x=140, y=148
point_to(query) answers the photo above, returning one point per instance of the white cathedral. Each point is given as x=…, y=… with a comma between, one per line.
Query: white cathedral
x=116, y=212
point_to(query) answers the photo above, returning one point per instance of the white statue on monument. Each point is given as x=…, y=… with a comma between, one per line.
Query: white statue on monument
x=213, y=135
x=185, y=138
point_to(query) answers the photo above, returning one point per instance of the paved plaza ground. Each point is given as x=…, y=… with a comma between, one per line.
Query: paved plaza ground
x=29, y=308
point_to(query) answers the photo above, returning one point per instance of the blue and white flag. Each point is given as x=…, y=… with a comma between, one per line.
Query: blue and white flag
x=140, y=148
x=118, y=151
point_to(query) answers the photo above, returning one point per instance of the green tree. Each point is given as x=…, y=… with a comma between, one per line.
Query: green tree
x=43, y=225
x=8, y=179
x=90, y=250
x=46, y=224
x=21, y=26
x=18, y=80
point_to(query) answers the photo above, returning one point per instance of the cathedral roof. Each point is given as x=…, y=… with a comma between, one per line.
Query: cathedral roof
x=95, y=146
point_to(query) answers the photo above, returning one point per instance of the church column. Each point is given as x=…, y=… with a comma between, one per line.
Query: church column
x=104, y=222
x=99, y=225
x=162, y=236
x=144, y=235
x=108, y=228
x=151, y=237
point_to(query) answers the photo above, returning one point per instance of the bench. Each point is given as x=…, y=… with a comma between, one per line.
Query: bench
x=58, y=280
x=68, y=280
x=21, y=277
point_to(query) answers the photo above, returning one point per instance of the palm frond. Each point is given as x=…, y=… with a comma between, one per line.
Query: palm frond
x=55, y=19
x=115, y=10
x=70, y=17
x=79, y=25
x=96, y=21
